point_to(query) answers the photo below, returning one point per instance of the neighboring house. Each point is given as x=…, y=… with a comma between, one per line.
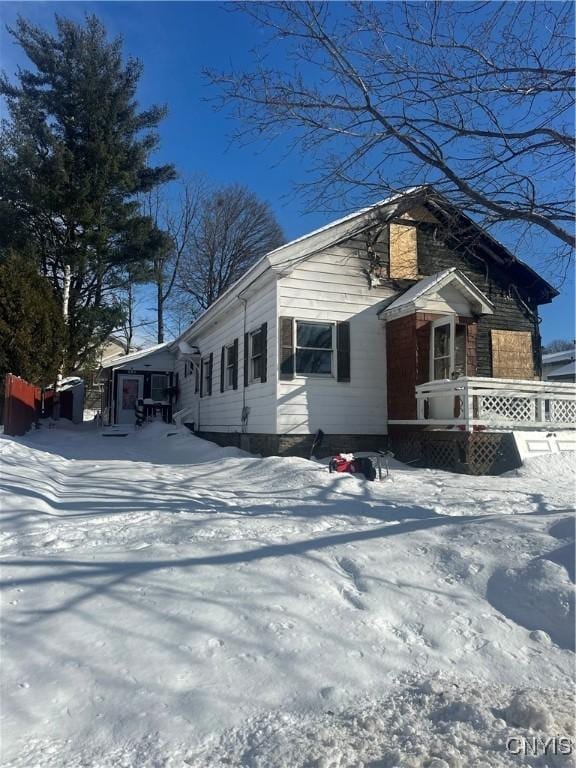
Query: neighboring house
x=144, y=375
x=112, y=348
x=115, y=347
x=559, y=366
x=343, y=330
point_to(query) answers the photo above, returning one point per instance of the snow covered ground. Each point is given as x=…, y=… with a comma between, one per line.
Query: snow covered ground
x=167, y=602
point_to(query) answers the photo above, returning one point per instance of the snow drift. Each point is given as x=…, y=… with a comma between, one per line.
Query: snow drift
x=167, y=602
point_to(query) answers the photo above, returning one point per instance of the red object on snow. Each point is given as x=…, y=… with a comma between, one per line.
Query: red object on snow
x=342, y=464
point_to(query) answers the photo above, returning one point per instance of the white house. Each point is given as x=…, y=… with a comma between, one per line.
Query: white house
x=559, y=366
x=341, y=329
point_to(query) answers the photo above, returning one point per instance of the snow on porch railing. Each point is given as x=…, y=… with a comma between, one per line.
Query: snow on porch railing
x=471, y=401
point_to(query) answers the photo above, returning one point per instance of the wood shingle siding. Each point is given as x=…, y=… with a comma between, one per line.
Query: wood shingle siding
x=434, y=255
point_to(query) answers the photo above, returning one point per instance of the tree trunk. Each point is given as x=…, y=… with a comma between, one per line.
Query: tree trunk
x=160, y=311
x=130, y=323
x=65, y=314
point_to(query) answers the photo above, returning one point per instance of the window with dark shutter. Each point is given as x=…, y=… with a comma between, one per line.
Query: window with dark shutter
x=264, y=352
x=246, y=358
x=235, y=364
x=206, y=376
x=229, y=367
x=256, y=348
x=286, y=348
x=343, y=351
x=222, y=368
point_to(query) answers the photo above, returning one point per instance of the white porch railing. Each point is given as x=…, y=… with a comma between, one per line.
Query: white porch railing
x=500, y=403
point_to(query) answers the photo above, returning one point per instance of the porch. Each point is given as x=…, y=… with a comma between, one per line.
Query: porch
x=473, y=403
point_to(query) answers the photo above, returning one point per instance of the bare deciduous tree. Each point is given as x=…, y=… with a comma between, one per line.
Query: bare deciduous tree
x=559, y=345
x=177, y=219
x=234, y=229
x=475, y=98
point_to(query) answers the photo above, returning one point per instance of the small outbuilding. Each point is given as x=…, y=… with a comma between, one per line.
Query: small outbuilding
x=147, y=376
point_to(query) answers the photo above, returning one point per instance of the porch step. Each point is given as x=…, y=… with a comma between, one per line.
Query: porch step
x=542, y=442
x=118, y=430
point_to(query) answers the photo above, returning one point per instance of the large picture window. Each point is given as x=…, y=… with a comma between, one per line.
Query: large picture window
x=314, y=348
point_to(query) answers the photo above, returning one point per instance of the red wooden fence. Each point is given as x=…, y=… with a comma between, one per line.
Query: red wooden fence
x=21, y=405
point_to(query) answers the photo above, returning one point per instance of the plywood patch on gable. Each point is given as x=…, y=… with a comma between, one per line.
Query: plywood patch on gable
x=512, y=355
x=403, y=251
x=420, y=213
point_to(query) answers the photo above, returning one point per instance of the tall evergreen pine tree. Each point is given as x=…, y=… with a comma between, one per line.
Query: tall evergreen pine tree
x=74, y=154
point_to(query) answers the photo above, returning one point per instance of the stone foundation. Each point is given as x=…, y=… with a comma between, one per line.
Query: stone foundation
x=296, y=445
x=474, y=453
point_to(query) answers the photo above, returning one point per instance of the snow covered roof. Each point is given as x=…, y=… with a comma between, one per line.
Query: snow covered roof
x=283, y=259
x=558, y=357
x=336, y=230
x=116, y=361
x=565, y=370
x=409, y=299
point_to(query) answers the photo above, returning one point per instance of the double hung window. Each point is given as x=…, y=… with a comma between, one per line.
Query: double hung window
x=314, y=348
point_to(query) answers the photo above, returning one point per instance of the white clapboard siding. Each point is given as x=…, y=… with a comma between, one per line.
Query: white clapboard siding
x=332, y=286
x=222, y=411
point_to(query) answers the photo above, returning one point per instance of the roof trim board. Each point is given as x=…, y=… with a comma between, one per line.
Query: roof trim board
x=282, y=260
x=119, y=361
x=409, y=301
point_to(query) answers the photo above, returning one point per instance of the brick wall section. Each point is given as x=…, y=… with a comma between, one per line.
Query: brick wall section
x=408, y=350
x=423, y=320
x=402, y=367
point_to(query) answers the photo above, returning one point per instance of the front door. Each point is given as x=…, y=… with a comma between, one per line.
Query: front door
x=130, y=389
x=447, y=361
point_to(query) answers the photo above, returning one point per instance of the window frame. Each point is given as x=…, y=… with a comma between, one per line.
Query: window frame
x=252, y=357
x=229, y=367
x=166, y=378
x=332, y=349
x=451, y=322
x=206, y=386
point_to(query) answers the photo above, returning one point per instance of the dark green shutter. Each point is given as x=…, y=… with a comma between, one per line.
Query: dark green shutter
x=264, y=345
x=343, y=351
x=201, y=378
x=286, y=348
x=235, y=360
x=246, y=350
x=222, y=368
x=210, y=370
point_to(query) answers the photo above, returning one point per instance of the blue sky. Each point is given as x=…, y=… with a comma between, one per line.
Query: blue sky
x=175, y=41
